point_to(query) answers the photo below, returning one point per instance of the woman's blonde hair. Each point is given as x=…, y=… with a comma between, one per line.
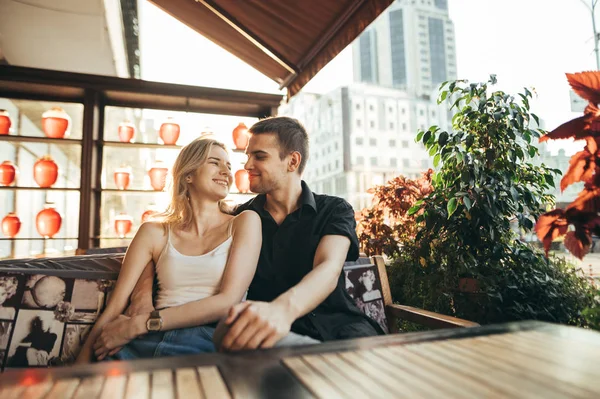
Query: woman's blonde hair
x=179, y=212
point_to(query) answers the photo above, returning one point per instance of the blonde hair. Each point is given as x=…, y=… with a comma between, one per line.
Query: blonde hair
x=179, y=212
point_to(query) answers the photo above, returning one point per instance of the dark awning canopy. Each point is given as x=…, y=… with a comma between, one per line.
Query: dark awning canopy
x=287, y=40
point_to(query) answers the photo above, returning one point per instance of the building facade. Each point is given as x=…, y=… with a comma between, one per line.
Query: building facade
x=409, y=47
x=363, y=135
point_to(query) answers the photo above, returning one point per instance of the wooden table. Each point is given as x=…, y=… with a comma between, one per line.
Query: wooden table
x=528, y=360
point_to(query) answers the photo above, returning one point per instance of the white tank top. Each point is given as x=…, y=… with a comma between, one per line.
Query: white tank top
x=183, y=279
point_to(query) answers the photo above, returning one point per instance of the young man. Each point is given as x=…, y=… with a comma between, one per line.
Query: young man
x=298, y=293
x=299, y=285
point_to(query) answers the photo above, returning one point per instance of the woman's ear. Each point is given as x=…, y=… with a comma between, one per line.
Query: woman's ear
x=188, y=179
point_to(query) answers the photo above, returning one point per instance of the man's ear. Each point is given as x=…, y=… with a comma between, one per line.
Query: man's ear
x=294, y=161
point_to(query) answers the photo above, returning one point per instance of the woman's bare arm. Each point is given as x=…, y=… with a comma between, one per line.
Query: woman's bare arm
x=239, y=271
x=139, y=254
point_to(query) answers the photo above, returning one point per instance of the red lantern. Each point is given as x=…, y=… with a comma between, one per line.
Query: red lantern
x=242, y=182
x=45, y=172
x=123, y=224
x=55, y=123
x=169, y=132
x=147, y=215
x=158, y=176
x=48, y=221
x=11, y=224
x=8, y=172
x=126, y=132
x=240, y=136
x=122, y=178
x=4, y=122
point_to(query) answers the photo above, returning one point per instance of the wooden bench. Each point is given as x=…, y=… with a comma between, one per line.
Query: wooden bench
x=367, y=283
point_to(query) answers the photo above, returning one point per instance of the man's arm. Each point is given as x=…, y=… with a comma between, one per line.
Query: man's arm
x=141, y=297
x=262, y=324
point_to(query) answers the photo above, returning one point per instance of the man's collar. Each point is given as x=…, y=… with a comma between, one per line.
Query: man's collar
x=307, y=198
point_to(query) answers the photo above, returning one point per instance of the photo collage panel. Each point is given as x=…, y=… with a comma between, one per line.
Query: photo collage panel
x=364, y=286
x=44, y=320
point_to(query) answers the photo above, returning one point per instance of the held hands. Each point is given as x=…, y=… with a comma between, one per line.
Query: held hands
x=117, y=333
x=255, y=325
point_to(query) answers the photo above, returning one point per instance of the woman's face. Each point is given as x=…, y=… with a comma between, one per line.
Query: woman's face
x=367, y=281
x=213, y=178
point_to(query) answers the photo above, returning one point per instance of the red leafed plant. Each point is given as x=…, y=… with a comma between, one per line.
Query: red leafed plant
x=580, y=219
x=386, y=225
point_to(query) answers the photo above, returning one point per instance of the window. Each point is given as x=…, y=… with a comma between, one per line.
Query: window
x=335, y=145
x=393, y=162
x=372, y=142
x=404, y=126
x=358, y=123
x=324, y=169
x=398, y=48
x=337, y=163
x=405, y=163
x=390, y=110
x=404, y=143
x=372, y=124
x=392, y=143
x=421, y=112
x=391, y=125
x=373, y=161
x=371, y=108
x=368, y=56
x=433, y=114
x=403, y=111
x=437, y=50
x=357, y=106
x=359, y=141
x=360, y=160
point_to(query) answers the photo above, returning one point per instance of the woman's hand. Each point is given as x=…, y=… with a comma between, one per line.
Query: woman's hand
x=117, y=333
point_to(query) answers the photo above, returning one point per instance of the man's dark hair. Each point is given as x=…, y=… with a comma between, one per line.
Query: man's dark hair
x=290, y=133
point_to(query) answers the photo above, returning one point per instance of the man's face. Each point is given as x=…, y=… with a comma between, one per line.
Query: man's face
x=266, y=170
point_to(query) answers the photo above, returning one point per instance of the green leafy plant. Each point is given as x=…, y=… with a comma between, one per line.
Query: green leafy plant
x=485, y=190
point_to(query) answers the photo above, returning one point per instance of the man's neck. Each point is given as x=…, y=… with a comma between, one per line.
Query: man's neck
x=284, y=200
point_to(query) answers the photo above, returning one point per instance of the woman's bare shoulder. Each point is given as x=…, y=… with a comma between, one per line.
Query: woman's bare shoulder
x=247, y=217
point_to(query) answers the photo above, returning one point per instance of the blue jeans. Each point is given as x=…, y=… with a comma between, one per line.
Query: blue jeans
x=184, y=341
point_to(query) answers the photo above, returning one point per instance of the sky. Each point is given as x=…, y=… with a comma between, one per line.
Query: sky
x=526, y=43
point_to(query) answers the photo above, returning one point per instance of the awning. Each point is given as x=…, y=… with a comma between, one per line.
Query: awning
x=287, y=40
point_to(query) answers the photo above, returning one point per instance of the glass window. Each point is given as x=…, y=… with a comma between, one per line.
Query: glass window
x=392, y=143
x=359, y=141
x=404, y=143
x=373, y=161
x=372, y=124
x=358, y=123
x=405, y=163
x=398, y=48
x=437, y=49
x=360, y=160
x=372, y=142
x=393, y=162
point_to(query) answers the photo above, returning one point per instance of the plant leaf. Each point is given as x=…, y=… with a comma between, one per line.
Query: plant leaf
x=451, y=207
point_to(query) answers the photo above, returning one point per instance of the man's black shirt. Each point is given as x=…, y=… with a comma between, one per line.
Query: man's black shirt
x=287, y=255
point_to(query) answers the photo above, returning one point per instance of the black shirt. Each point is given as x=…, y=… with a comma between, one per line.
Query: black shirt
x=287, y=255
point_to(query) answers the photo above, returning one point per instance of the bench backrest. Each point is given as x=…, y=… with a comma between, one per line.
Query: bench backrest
x=367, y=284
x=50, y=306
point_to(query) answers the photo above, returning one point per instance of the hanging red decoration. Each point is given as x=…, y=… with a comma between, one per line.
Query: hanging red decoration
x=147, y=215
x=240, y=136
x=123, y=224
x=242, y=182
x=45, y=172
x=158, y=176
x=126, y=132
x=48, y=221
x=55, y=123
x=169, y=132
x=122, y=178
x=8, y=173
x=4, y=122
x=11, y=224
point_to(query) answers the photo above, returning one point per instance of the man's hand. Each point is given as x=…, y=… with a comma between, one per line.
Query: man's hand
x=255, y=325
x=116, y=334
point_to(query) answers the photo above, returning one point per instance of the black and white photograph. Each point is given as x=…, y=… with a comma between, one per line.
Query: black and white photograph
x=45, y=292
x=74, y=338
x=362, y=283
x=87, y=295
x=5, y=330
x=11, y=289
x=83, y=317
x=36, y=339
x=375, y=310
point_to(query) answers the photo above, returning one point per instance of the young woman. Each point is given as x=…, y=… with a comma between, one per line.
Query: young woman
x=204, y=258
